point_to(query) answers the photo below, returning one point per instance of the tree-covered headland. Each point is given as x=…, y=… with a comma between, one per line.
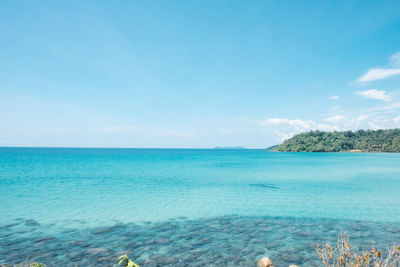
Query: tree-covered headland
x=348, y=141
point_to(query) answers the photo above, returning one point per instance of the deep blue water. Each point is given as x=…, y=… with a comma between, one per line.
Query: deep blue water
x=188, y=207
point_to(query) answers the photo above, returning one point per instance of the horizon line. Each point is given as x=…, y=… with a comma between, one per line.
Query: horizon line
x=98, y=147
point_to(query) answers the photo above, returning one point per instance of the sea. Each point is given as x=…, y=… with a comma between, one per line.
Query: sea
x=192, y=207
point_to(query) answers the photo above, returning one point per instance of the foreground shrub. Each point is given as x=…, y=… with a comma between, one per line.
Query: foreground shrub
x=342, y=255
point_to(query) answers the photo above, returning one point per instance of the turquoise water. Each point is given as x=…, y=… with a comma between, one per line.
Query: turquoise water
x=145, y=201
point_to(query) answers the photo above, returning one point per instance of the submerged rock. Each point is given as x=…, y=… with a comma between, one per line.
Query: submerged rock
x=31, y=222
x=273, y=245
x=96, y=251
x=46, y=238
x=238, y=240
x=162, y=241
x=101, y=230
x=292, y=258
x=5, y=227
x=393, y=229
x=149, y=263
x=171, y=260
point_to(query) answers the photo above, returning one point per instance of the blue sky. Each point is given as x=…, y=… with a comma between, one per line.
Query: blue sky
x=195, y=73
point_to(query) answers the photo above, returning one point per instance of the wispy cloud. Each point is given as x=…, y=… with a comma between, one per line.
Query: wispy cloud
x=297, y=123
x=375, y=94
x=334, y=118
x=395, y=59
x=334, y=97
x=362, y=117
x=286, y=128
x=392, y=107
x=378, y=74
x=375, y=74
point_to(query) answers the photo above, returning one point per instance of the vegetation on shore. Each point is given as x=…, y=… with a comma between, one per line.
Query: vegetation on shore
x=348, y=141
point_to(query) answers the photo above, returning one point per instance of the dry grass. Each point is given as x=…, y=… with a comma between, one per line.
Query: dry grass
x=342, y=255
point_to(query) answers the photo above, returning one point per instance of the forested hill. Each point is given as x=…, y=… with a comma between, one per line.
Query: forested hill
x=348, y=141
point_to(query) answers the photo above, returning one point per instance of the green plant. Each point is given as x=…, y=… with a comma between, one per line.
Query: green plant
x=126, y=262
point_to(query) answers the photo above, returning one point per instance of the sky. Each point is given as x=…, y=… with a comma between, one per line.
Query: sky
x=195, y=74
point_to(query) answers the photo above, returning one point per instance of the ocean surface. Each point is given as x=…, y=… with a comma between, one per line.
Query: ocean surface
x=192, y=207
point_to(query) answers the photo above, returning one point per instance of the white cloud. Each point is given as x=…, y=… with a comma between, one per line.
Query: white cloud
x=286, y=128
x=389, y=107
x=362, y=117
x=375, y=74
x=395, y=59
x=374, y=126
x=374, y=94
x=334, y=118
x=282, y=136
x=334, y=97
x=378, y=74
x=298, y=124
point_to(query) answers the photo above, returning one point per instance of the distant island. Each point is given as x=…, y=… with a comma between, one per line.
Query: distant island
x=348, y=141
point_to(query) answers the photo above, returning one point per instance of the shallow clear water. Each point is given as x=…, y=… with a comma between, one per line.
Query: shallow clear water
x=187, y=207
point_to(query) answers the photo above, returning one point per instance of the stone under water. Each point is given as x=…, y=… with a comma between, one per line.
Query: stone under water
x=218, y=241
